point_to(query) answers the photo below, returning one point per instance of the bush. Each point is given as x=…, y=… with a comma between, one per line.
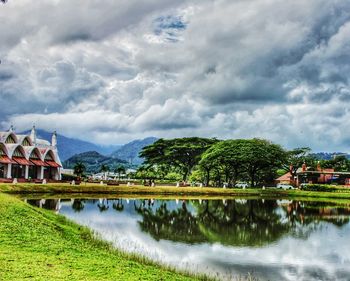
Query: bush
x=319, y=187
x=66, y=177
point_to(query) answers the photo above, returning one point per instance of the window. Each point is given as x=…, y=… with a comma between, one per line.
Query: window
x=34, y=155
x=26, y=142
x=10, y=139
x=17, y=153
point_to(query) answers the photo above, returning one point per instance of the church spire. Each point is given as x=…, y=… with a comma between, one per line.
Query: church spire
x=54, y=139
x=33, y=135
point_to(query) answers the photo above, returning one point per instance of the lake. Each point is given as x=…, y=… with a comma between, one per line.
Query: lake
x=270, y=239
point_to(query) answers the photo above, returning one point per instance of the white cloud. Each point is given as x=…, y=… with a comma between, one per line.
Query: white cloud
x=120, y=70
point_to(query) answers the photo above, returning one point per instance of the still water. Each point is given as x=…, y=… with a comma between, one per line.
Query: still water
x=271, y=239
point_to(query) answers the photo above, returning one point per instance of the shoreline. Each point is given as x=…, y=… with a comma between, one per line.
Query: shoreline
x=40, y=245
x=167, y=192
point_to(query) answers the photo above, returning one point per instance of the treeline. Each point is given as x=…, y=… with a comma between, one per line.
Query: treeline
x=216, y=162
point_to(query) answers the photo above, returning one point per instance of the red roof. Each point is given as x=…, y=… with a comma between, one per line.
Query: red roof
x=22, y=161
x=6, y=160
x=285, y=177
x=53, y=164
x=38, y=162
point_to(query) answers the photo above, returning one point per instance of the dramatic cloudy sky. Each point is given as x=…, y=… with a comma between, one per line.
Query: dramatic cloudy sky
x=111, y=71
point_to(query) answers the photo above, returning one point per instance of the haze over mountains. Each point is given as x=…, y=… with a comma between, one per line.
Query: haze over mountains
x=68, y=147
x=73, y=150
x=126, y=155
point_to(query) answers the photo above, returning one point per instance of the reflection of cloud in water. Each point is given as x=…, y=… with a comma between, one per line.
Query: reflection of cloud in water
x=324, y=255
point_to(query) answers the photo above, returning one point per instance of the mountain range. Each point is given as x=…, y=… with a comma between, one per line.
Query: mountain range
x=93, y=161
x=68, y=147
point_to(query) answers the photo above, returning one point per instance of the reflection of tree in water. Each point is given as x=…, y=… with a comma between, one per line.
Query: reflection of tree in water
x=78, y=205
x=118, y=206
x=162, y=223
x=241, y=222
x=236, y=222
x=49, y=204
x=103, y=205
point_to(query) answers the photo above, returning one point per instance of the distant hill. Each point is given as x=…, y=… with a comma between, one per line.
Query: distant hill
x=67, y=147
x=93, y=161
x=130, y=151
x=328, y=155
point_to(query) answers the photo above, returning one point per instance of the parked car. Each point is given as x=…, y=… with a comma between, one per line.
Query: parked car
x=285, y=186
x=242, y=185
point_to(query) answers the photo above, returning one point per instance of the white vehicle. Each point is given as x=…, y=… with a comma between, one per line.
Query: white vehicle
x=285, y=186
x=242, y=185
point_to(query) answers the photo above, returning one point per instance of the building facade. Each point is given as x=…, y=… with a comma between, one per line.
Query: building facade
x=26, y=157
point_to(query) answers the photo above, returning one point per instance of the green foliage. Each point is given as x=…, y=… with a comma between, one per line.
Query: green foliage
x=319, y=187
x=255, y=160
x=339, y=164
x=66, y=177
x=196, y=176
x=79, y=169
x=182, y=154
x=104, y=168
x=93, y=161
x=173, y=176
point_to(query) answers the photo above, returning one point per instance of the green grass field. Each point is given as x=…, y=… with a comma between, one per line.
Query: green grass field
x=169, y=192
x=36, y=244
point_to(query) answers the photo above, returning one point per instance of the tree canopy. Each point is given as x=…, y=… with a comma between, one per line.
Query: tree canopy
x=180, y=153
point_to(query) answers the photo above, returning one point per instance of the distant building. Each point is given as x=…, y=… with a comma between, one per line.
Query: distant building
x=320, y=176
x=28, y=157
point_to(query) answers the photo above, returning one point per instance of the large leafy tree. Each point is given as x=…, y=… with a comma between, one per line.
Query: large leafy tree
x=225, y=156
x=181, y=153
x=255, y=160
x=262, y=158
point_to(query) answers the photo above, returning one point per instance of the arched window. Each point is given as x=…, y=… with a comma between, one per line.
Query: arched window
x=26, y=142
x=49, y=157
x=10, y=139
x=17, y=153
x=34, y=155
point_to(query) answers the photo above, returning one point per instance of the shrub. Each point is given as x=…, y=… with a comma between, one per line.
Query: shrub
x=319, y=187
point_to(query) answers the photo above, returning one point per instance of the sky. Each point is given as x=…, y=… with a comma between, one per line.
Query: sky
x=116, y=70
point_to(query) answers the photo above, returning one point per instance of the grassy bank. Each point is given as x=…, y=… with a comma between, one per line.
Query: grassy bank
x=38, y=245
x=168, y=191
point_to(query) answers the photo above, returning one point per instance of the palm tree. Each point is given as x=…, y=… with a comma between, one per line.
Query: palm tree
x=104, y=169
x=120, y=170
x=79, y=168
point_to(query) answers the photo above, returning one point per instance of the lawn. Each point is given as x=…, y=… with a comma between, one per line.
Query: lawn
x=36, y=244
x=169, y=191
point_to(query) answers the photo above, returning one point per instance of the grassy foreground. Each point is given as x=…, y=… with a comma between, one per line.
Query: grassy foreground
x=38, y=245
x=169, y=191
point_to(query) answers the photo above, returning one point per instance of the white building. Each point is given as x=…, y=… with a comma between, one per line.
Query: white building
x=26, y=156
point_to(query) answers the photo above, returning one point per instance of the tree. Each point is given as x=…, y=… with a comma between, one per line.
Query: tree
x=79, y=169
x=225, y=156
x=104, y=168
x=255, y=160
x=181, y=153
x=120, y=170
x=296, y=158
x=261, y=159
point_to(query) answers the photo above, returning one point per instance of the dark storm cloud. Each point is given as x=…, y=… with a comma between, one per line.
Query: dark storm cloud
x=127, y=69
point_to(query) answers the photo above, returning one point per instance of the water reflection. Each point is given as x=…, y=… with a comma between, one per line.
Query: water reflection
x=274, y=239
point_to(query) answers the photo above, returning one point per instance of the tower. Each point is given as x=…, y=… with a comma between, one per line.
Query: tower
x=54, y=139
x=33, y=135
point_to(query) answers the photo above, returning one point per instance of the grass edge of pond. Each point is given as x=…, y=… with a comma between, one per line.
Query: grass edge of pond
x=19, y=248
